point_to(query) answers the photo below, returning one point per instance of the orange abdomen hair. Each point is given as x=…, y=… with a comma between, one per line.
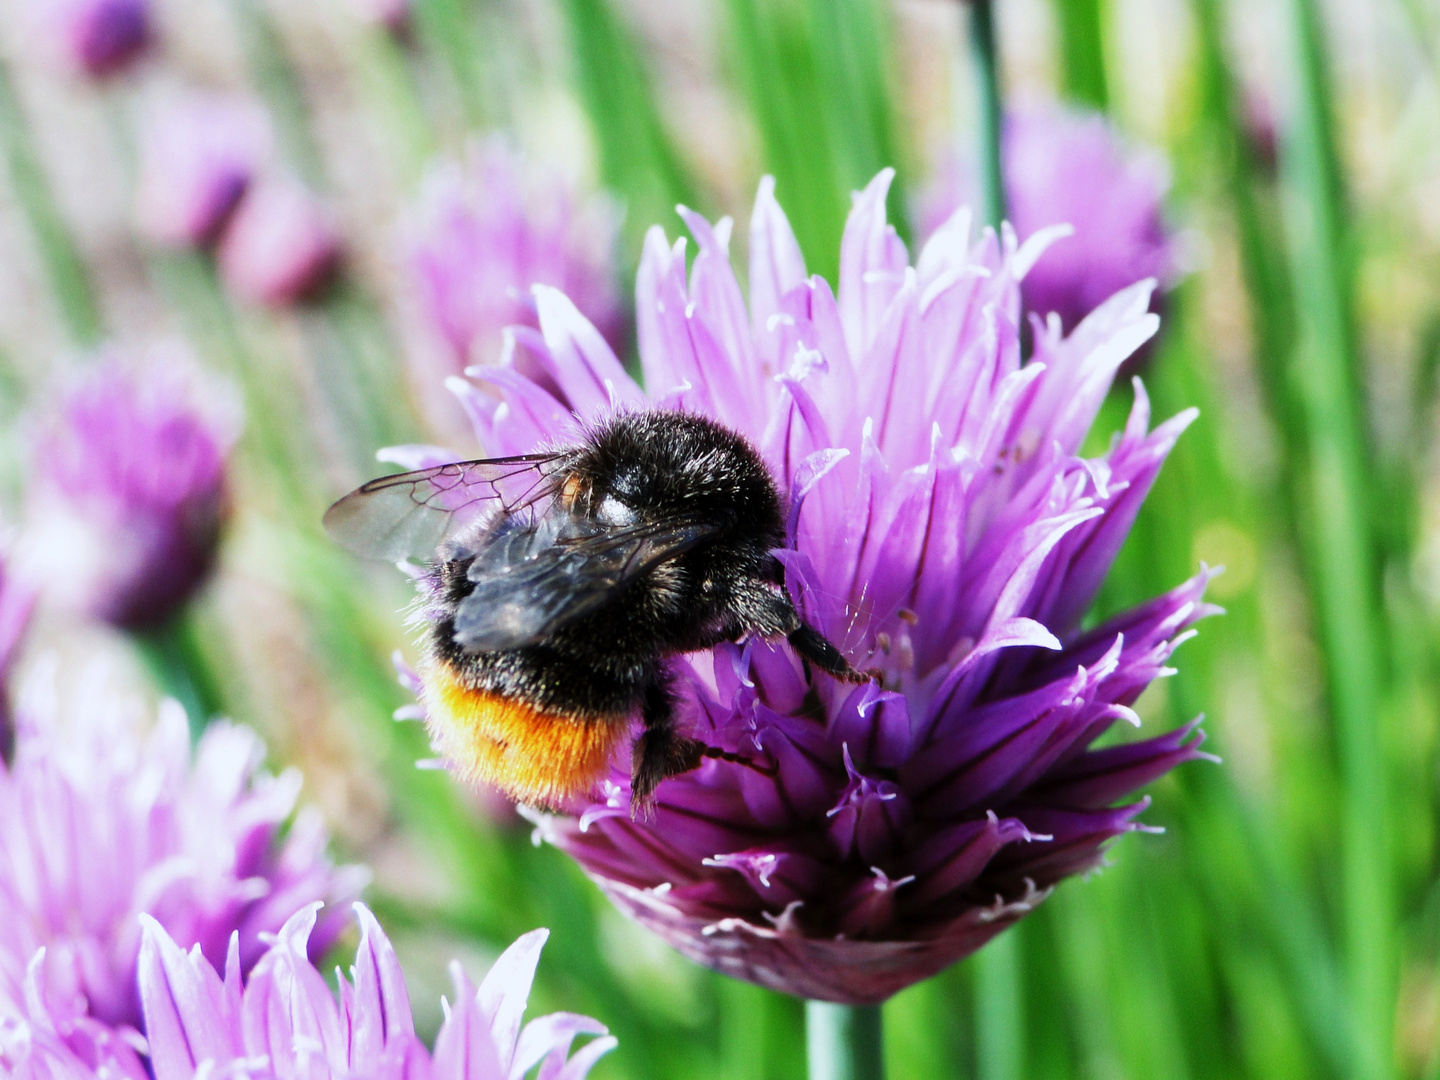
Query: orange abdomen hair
x=542, y=759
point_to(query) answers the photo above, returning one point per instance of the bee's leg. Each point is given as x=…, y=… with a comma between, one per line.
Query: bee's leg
x=661, y=751
x=780, y=617
x=815, y=649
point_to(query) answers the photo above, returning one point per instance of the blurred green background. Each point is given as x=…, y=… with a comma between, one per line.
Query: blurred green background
x=1287, y=923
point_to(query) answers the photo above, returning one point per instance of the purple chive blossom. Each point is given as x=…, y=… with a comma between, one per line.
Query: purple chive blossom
x=197, y=156
x=1065, y=168
x=284, y=1021
x=946, y=534
x=102, y=821
x=97, y=37
x=281, y=246
x=129, y=496
x=484, y=232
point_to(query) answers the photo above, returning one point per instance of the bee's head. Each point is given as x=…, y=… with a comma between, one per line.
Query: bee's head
x=676, y=466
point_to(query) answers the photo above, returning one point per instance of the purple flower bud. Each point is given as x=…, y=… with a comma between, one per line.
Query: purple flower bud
x=1261, y=125
x=98, y=37
x=394, y=15
x=281, y=246
x=197, y=157
x=945, y=533
x=1070, y=169
x=102, y=820
x=129, y=497
x=485, y=232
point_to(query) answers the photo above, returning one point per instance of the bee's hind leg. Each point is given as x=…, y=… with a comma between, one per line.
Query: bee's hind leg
x=661, y=751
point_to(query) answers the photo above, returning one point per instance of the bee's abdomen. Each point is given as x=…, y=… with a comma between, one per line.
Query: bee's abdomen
x=534, y=756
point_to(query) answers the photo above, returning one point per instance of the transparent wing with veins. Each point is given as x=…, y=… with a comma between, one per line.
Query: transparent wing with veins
x=412, y=515
x=533, y=577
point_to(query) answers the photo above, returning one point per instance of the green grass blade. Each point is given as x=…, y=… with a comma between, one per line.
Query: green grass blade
x=773, y=61
x=999, y=1010
x=279, y=85
x=69, y=281
x=925, y=1028
x=447, y=29
x=388, y=84
x=851, y=42
x=1081, y=25
x=638, y=159
x=986, y=60
x=1340, y=545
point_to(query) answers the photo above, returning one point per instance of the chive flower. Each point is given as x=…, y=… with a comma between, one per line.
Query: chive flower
x=945, y=532
x=485, y=230
x=198, y=155
x=283, y=1022
x=105, y=817
x=1069, y=170
x=281, y=247
x=97, y=37
x=124, y=518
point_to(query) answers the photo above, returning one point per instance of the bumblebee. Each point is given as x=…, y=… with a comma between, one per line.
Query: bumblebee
x=561, y=581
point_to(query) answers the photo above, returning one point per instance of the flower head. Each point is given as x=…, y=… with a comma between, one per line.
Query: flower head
x=197, y=157
x=125, y=516
x=101, y=821
x=286, y=1015
x=484, y=232
x=98, y=37
x=281, y=245
x=1068, y=168
x=946, y=534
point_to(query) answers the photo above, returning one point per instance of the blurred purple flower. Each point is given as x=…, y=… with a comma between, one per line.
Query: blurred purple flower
x=951, y=538
x=98, y=37
x=484, y=232
x=1068, y=168
x=198, y=1023
x=123, y=521
x=197, y=156
x=281, y=245
x=34, y=1046
x=101, y=821
x=394, y=15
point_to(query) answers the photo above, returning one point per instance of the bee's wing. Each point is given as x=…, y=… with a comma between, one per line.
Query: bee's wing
x=410, y=515
x=544, y=577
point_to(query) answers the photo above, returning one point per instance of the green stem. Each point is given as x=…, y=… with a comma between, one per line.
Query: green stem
x=844, y=1042
x=1341, y=549
x=173, y=655
x=985, y=53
